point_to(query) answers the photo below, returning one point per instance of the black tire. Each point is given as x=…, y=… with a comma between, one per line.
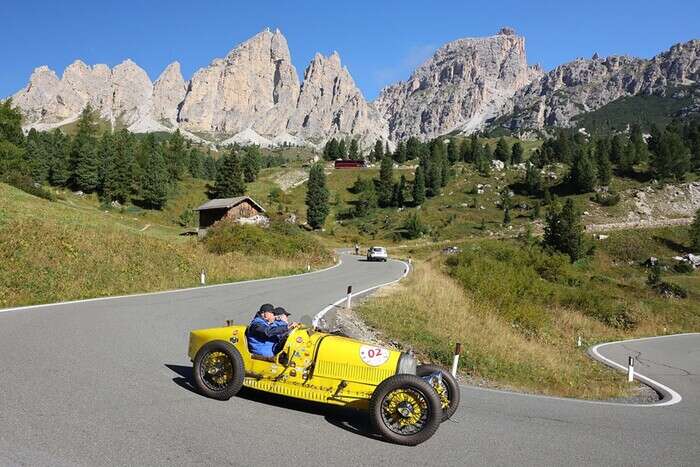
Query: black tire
x=224, y=378
x=451, y=387
x=419, y=393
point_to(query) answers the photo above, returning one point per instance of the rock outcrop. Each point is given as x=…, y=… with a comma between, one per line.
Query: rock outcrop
x=255, y=86
x=330, y=104
x=252, y=96
x=121, y=96
x=585, y=85
x=464, y=84
x=168, y=93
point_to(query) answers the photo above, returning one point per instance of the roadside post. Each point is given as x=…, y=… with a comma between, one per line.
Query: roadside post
x=203, y=277
x=348, y=301
x=578, y=341
x=455, y=361
x=630, y=369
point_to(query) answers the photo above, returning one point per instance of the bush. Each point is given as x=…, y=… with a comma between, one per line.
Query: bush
x=683, y=267
x=607, y=199
x=281, y=240
x=26, y=184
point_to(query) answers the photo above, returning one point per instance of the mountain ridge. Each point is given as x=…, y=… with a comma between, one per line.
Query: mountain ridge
x=254, y=93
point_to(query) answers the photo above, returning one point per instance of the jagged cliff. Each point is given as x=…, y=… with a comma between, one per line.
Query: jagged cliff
x=585, y=85
x=465, y=83
x=253, y=95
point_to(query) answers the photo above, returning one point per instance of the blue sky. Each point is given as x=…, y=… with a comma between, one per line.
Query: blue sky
x=380, y=42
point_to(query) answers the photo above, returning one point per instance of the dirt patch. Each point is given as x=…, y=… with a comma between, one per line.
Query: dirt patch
x=293, y=178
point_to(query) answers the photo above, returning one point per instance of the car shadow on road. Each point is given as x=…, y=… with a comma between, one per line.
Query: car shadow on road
x=354, y=421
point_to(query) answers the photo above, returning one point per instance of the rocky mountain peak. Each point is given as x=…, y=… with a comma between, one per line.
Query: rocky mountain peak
x=255, y=86
x=585, y=85
x=466, y=82
x=330, y=104
x=168, y=93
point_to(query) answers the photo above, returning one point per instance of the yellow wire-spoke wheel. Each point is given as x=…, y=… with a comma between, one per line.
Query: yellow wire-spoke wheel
x=441, y=390
x=405, y=411
x=216, y=370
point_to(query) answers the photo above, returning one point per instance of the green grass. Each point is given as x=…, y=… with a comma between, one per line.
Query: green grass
x=518, y=311
x=53, y=251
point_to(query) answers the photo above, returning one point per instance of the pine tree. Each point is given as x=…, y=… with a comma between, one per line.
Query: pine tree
x=154, y=184
x=695, y=232
x=330, y=150
x=400, y=192
x=672, y=158
x=367, y=201
x=385, y=185
x=195, y=164
x=250, y=163
x=533, y=180
x=59, y=148
x=229, y=177
x=453, y=151
x=502, y=152
x=11, y=124
x=563, y=230
x=354, y=151
x=413, y=148
x=317, y=195
x=418, y=187
x=617, y=145
x=626, y=163
x=84, y=158
x=583, y=172
x=38, y=156
x=400, y=153
x=118, y=182
x=378, y=151
x=210, y=168
x=603, y=162
x=176, y=156
x=342, y=150
x=641, y=154
x=517, y=153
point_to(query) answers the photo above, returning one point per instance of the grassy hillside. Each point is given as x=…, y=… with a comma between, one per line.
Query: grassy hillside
x=519, y=311
x=67, y=250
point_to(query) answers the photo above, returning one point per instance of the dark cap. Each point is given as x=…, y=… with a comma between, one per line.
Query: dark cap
x=281, y=311
x=266, y=307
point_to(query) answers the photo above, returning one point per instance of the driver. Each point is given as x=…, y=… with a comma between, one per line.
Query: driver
x=263, y=333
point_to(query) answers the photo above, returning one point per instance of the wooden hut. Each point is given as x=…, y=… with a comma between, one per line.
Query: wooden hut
x=239, y=208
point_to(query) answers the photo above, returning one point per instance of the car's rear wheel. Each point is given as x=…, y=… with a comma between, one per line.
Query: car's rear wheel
x=405, y=409
x=218, y=370
x=446, y=388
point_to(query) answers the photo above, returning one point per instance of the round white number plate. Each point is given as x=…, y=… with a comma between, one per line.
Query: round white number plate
x=374, y=356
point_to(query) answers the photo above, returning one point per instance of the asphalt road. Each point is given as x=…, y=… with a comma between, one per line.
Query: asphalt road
x=107, y=382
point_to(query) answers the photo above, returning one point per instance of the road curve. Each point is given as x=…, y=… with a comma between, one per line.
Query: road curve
x=107, y=382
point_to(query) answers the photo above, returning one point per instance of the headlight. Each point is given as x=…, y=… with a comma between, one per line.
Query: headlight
x=407, y=364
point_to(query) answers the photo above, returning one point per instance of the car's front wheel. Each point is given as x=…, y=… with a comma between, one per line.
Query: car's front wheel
x=445, y=386
x=218, y=370
x=405, y=409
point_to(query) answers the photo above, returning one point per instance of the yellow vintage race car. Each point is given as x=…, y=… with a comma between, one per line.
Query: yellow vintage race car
x=405, y=402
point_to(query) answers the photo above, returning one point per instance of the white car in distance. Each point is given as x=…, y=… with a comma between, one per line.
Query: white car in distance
x=377, y=253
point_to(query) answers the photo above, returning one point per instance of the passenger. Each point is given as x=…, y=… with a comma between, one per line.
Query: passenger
x=263, y=334
x=281, y=319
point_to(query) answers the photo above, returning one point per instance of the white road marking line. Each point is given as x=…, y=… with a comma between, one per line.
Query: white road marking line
x=674, y=396
x=321, y=313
